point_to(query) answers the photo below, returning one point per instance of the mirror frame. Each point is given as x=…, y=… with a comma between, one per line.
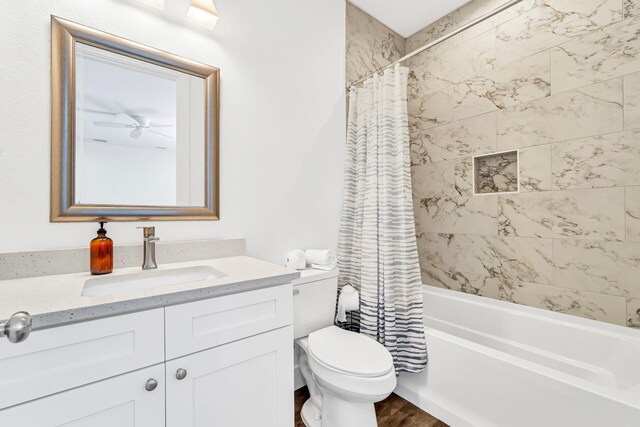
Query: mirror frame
x=64, y=35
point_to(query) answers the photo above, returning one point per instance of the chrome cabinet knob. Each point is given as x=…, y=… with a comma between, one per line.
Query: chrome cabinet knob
x=17, y=328
x=181, y=374
x=151, y=384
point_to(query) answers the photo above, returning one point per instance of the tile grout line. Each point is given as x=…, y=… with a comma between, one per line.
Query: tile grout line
x=559, y=239
x=527, y=193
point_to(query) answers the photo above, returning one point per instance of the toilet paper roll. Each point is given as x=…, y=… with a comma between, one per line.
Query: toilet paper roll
x=349, y=300
x=296, y=259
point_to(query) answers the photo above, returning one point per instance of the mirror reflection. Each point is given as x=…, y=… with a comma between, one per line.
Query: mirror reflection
x=140, y=132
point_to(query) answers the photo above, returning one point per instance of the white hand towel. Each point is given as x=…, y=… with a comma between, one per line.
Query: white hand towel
x=327, y=267
x=320, y=256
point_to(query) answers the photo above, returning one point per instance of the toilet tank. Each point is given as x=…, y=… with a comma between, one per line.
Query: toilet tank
x=314, y=301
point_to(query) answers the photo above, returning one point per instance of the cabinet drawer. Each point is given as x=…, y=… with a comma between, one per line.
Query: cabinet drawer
x=119, y=401
x=208, y=323
x=57, y=359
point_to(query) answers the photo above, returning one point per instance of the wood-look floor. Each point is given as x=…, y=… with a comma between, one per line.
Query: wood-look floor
x=394, y=411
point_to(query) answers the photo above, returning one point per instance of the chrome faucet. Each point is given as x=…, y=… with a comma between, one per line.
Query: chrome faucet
x=149, y=255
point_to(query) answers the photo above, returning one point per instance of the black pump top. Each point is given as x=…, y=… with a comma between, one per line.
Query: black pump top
x=102, y=230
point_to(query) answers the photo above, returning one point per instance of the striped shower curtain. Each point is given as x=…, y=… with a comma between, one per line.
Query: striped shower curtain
x=377, y=250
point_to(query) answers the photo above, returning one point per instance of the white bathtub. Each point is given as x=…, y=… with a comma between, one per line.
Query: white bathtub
x=493, y=363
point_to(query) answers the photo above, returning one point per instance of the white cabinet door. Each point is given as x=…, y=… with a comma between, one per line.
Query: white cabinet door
x=121, y=401
x=245, y=383
x=58, y=359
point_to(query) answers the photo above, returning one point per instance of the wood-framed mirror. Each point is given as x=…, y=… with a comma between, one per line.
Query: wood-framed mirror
x=134, y=130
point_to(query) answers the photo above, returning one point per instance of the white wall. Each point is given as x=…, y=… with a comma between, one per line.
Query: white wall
x=282, y=119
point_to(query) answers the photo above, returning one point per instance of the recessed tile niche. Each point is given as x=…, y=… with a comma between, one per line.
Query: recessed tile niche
x=496, y=173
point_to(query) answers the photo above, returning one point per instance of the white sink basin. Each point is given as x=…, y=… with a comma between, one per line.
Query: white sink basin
x=111, y=285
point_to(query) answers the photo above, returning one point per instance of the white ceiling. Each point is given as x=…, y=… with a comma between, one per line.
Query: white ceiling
x=406, y=17
x=112, y=87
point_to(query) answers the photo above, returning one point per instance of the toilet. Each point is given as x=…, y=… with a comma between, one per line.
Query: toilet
x=346, y=372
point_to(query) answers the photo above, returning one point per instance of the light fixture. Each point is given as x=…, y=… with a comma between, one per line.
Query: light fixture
x=158, y=4
x=203, y=12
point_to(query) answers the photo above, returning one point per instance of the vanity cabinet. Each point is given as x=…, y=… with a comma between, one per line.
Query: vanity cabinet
x=224, y=361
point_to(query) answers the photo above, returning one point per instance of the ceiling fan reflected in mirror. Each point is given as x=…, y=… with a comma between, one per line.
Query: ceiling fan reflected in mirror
x=139, y=126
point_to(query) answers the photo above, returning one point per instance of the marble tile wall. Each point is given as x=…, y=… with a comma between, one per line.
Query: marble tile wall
x=552, y=23
x=631, y=84
x=560, y=81
x=588, y=111
x=370, y=44
x=597, y=56
x=535, y=168
x=466, y=14
x=633, y=313
x=632, y=218
x=468, y=137
x=458, y=214
x=525, y=80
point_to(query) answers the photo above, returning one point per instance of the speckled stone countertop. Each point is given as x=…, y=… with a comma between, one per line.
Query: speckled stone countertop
x=57, y=300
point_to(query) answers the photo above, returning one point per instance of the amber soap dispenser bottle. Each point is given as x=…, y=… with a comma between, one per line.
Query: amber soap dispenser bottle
x=101, y=249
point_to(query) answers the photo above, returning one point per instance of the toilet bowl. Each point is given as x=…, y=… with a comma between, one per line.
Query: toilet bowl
x=346, y=372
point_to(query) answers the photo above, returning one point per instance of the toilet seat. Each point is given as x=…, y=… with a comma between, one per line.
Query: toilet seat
x=351, y=365
x=349, y=353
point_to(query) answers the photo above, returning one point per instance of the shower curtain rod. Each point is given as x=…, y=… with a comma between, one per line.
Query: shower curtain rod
x=476, y=21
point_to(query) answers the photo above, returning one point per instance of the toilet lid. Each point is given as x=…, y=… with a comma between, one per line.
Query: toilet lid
x=350, y=352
